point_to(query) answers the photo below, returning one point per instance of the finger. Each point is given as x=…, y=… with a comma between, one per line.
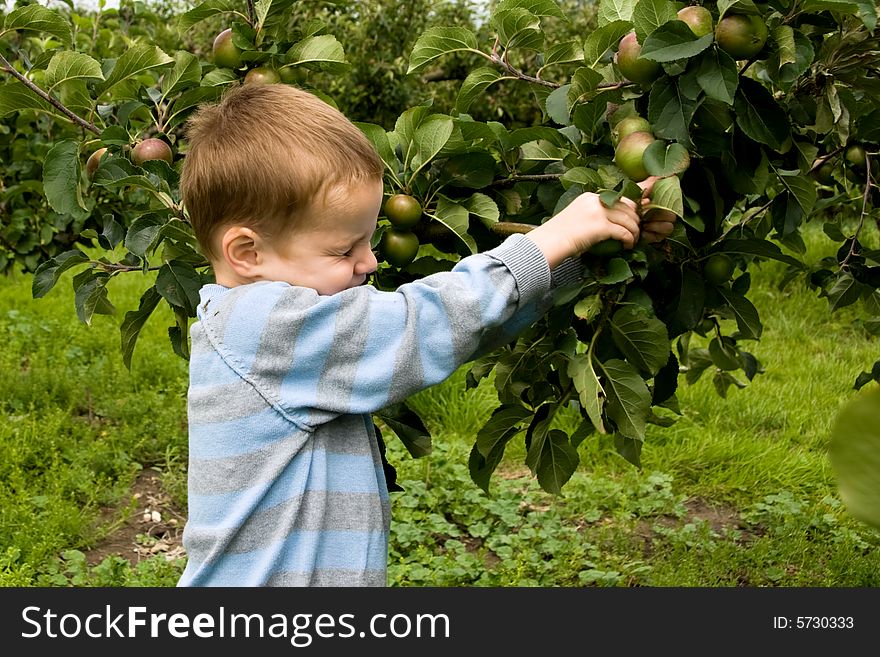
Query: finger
x=659, y=227
x=625, y=225
x=654, y=236
x=648, y=184
x=624, y=235
x=627, y=202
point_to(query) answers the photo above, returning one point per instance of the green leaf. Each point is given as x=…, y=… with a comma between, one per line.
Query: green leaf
x=717, y=75
x=518, y=28
x=760, y=248
x=405, y=127
x=641, y=338
x=178, y=334
x=15, y=97
x=483, y=207
x=438, y=41
x=36, y=18
x=504, y=419
x=846, y=291
x=603, y=38
x=843, y=6
x=747, y=320
x=666, y=195
x=854, y=451
x=261, y=11
x=133, y=322
x=868, y=13
x=662, y=159
x=475, y=85
x=536, y=434
x=68, y=65
x=616, y=271
x=783, y=36
x=615, y=10
x=179, y=283
x=690, y=301
x=186, y=72
x=90, y=295
x=142, y=233
x=629, y=448
x=536, y=7
x=409, y=428
x=474, y=170
x=429, y=139
x=670, y=112
x=219, y=77
x=557, y=463
x=379, y=138
x=759, y=115
x=802, y=189
x=61, y=179
x=739, y=7
x=590, y=392
x=629, y=399
x=324, y=49
x=48, y=273
x=205, y=10
x=481, y=467
x=557, y=105
x=648, y=15
x=566, y=52
x=674, y=41
x=455, y=217
x=137, y=59
x=119, y=172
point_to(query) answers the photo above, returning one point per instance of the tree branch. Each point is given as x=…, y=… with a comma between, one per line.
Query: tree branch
x=500, y=61
x=864, y=213
x=535, y=177
x=8, y=68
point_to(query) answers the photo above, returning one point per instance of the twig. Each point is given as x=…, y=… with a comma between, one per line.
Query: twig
x=8, y=68
x=501, y=61
x=535, y=177
x=863, y=214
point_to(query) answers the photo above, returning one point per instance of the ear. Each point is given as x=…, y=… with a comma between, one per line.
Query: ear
x=241, y=248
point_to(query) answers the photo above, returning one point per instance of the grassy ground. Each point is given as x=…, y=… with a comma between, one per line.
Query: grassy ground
x=738, y=492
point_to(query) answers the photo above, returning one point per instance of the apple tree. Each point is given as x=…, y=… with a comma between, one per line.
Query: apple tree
x=756, y=118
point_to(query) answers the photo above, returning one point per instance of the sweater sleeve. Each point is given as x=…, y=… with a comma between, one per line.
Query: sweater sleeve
x=314, y=357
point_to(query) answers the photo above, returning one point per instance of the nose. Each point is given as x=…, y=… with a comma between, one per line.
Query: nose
x=367, y=265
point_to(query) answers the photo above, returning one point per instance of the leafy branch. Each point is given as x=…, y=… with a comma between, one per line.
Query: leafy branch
x=75, y=118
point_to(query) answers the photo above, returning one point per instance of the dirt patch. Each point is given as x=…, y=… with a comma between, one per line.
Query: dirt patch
x=148, y=524
x=721, y=519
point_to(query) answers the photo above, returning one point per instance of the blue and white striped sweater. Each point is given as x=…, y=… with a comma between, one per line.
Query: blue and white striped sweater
x=286, y=486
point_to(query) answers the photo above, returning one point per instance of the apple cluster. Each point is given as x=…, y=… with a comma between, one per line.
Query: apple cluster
x=399, y=244
x=742, y=36
x=227, y=55
x=144, y=151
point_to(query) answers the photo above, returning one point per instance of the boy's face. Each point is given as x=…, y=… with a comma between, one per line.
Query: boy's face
x=332, y=253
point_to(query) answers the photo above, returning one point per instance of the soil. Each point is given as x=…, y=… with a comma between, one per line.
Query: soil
x=149, y=524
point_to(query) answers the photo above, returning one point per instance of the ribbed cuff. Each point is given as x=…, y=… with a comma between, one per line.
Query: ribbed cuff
x=568, y=272
x=527, y=264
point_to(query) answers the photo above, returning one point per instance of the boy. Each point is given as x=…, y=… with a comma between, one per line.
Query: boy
x=291, y=353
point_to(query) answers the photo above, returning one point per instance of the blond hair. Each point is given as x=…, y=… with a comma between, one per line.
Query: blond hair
x=262, y=155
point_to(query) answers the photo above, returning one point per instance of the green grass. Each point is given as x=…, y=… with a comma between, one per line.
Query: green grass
x=737, y=492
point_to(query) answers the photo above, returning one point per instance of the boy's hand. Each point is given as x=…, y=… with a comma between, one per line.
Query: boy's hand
x=585, y=222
